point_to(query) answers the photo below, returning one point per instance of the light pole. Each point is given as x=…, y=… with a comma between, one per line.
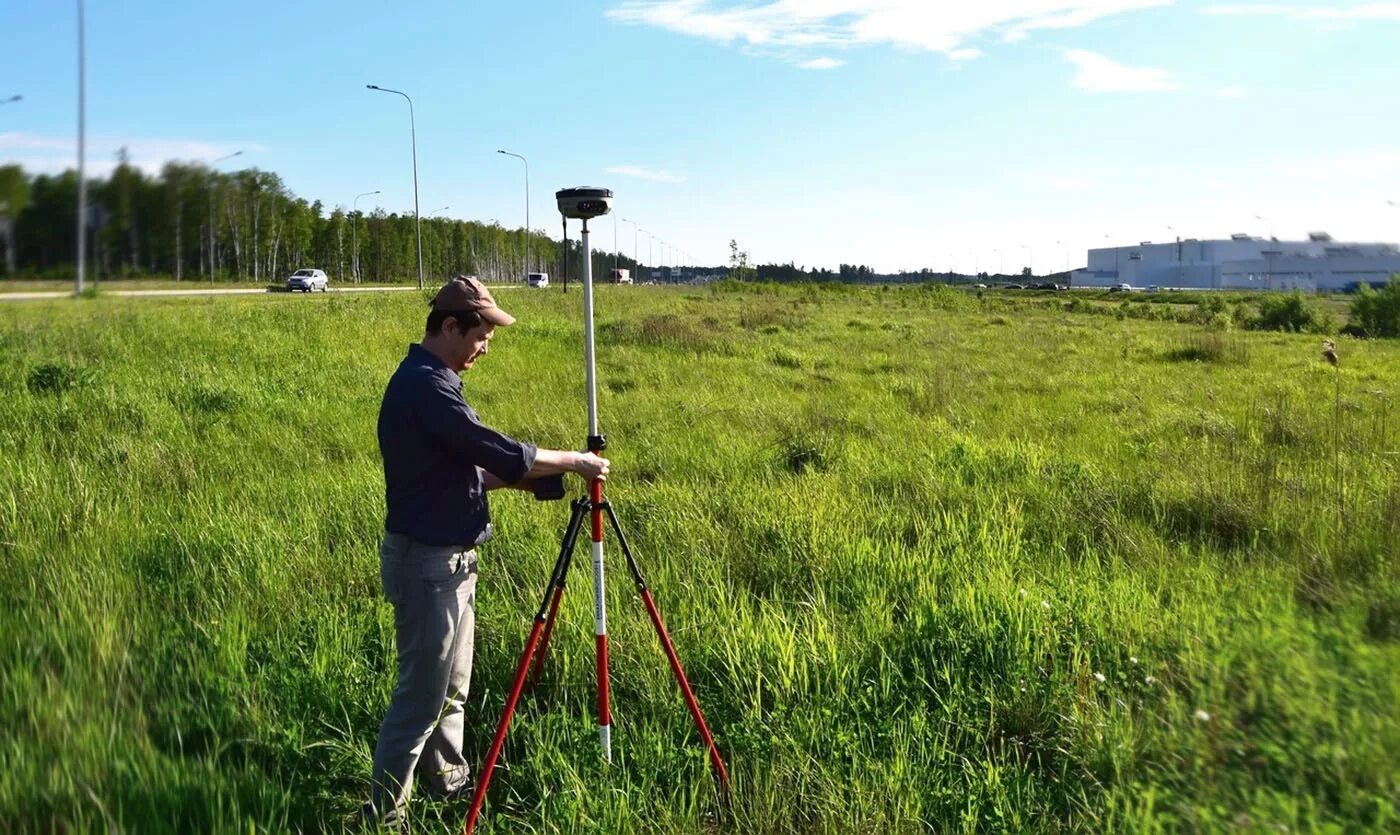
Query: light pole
x=1269, y=223
x=354, y=233
x=436, y=211
x=82, y=150
x=635, y=230
x=214, y=162
x=1176, y=277
x=525, y=237
x=413, y=138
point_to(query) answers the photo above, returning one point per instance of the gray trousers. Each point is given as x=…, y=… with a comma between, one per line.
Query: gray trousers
x=433, y=589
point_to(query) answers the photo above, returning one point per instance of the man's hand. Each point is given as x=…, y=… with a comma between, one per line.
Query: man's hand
x=590, y=466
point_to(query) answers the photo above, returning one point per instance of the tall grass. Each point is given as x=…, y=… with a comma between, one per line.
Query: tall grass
x=929, y=568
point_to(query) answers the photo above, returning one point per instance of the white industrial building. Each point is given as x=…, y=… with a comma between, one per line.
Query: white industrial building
x=1242, y=263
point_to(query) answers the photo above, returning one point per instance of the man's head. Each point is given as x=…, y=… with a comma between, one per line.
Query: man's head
x=462, y=320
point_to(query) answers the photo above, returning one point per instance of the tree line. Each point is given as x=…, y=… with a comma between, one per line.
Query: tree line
x=191, y=222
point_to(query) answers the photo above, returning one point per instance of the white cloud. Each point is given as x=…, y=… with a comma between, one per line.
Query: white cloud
x=54, y=155
x=1100, y=74
x=821, y=64
x=966, y=54
x=1332, y=14
x=1233, y=91
x=644, y=173
x=946, y=28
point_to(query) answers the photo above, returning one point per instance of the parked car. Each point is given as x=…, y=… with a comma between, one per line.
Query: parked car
x=537, y=279
x=308, y=280
x=1013, y=286
x=1121, y=288
x=1048, y=286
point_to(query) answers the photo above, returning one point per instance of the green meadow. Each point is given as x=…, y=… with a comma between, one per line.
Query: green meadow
x=933, y=563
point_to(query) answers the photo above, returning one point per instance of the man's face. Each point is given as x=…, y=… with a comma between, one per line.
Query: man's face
x=471, y=343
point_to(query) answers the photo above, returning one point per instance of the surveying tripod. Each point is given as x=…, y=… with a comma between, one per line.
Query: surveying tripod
x=585, y=203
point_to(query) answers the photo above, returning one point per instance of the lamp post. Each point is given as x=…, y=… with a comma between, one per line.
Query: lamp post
x=648, y=234
x=413, y=138
x=1268, y=223
x=82, y=150
x=437, y=211
x=354, y=233
x=525, y=237
x=212, y=264
x=635, y=229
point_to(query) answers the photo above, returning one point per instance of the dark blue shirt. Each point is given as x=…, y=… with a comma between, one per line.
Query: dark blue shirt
x=432, y=443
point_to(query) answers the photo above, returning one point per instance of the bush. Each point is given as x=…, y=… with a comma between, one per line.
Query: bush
x=1291, y=312
x=1377, y=314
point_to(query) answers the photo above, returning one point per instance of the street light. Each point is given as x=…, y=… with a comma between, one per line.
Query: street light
x=354, y=232
x=635, y=230
x=413, y=137
x=525, y=237
x=213, y=163
x=1270, y=224
x=435, y=211
x=82, y=151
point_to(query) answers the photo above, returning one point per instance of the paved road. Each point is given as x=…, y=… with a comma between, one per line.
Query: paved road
x=207, y=291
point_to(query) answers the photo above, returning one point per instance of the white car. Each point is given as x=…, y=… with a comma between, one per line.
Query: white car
x=537, y=279
x=308, y=280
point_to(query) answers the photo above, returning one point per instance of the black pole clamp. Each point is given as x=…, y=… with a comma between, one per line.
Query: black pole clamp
x=597, y=443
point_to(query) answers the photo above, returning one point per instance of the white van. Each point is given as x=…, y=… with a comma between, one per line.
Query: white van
x=537, y=279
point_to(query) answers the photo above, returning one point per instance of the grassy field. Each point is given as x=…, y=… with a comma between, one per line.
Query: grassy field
x=933, y=563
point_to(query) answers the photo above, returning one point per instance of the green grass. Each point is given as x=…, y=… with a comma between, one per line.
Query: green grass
x=932, y=563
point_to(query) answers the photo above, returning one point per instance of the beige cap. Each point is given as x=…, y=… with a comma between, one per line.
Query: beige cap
x=466, y=292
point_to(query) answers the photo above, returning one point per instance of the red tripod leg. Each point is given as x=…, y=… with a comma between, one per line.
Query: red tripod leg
x=552, y=593
x=490, y=765
x=676, y=669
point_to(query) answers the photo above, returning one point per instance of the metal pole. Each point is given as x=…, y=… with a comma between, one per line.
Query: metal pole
x=413, y=136
x=525, y=237
x=82, y=149
x=354, y=234
x=596, y=494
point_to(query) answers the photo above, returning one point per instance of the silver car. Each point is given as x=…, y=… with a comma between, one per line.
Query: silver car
x=308, y=280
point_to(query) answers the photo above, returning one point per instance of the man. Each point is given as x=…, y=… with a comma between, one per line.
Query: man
x=439, y=461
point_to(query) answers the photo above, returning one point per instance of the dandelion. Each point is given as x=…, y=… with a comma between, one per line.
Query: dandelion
x=1132, y=659
x=1150, y=680
x=1202, y=716
x=1099, y=678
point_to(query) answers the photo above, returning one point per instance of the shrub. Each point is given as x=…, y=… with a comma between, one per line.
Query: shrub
x=1291, y=312
x=1377, y=314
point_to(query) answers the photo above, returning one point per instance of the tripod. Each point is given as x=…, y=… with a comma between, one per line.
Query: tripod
x=593, y=507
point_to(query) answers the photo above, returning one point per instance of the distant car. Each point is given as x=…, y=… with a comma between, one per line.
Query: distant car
x=1121, y=288
x=1013, y=287
x=537, y=279
x=1048, y=286
x=980, y=286
x=308, y=280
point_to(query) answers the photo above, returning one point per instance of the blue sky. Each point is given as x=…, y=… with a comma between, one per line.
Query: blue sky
x=894, y=133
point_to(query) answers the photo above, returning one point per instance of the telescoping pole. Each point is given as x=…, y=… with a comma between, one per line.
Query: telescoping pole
x=595, y=494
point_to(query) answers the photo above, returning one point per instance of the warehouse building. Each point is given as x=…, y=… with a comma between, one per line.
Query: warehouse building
x=1242, y=262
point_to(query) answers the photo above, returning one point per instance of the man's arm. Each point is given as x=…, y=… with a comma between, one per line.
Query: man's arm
x=550, y=462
